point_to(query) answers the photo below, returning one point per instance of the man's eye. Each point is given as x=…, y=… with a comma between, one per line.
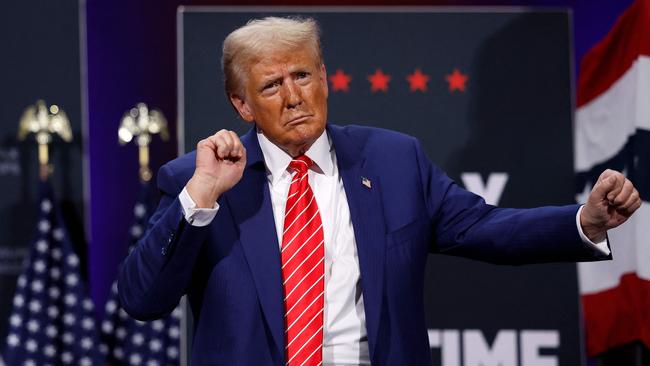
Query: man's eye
x=271, y=85
x=302, y=74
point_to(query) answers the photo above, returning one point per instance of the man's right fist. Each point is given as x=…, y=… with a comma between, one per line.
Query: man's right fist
x=220, y=162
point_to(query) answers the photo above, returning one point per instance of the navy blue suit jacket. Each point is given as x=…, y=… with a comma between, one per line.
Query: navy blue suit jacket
x=230, y=269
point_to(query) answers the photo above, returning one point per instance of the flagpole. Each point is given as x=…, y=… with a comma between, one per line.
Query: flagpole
x=125, y=340
x=141, y=123
x=44, y=122
x=52, y=319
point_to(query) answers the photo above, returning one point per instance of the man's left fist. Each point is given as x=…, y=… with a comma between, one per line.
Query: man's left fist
x=611, y=202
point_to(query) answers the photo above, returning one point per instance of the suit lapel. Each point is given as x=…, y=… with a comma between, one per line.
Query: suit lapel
x=366, y=212
x=250, y=202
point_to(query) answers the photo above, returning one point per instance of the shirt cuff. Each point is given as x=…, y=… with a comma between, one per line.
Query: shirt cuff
x=602, y=246
x=196, y=216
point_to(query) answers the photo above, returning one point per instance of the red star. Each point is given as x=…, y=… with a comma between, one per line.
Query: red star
x=379, y=81
x=418, y=81
x=340, y=81
x=456, y=81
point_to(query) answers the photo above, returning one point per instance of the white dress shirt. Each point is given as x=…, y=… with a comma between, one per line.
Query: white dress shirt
x=344, y=332
x=344, y=337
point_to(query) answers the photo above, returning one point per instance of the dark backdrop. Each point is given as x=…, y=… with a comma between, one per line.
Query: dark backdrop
x=39, y=59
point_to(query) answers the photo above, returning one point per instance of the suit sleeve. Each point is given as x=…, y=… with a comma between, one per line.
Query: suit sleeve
x=464, y=225
x=157, y=272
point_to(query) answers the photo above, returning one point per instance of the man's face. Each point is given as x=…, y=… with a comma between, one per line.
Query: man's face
x=285, y=93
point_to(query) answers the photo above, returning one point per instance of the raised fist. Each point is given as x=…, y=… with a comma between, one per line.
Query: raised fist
x=611, y=202
x=220, y=162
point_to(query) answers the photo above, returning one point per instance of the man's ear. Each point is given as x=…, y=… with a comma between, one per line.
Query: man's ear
x=242, y=107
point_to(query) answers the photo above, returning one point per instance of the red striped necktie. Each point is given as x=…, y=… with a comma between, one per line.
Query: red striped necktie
x=303, y=270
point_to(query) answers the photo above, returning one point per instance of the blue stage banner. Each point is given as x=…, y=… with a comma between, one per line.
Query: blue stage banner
x=489, y=95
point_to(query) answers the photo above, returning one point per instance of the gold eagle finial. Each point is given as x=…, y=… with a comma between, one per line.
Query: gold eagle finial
x=44, y=123
x=142, y=123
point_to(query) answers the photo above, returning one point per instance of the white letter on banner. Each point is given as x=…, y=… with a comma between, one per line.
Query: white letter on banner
x=478, y=353
x=492, y=191
x=449, y=345
x=434, y=338
x=532, y=341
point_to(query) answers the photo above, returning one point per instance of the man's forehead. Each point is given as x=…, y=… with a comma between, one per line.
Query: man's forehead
x=273, y=58
x=274, y=62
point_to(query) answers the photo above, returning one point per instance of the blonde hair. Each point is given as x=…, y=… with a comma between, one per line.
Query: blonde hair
x=262, y=36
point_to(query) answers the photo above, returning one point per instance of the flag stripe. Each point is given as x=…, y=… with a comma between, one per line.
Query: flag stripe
x=604, y=64
x=605, y=125
x=612, y=119
x=618, y=316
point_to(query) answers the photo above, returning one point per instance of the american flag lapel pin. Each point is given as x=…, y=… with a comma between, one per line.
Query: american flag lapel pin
x=366, y=182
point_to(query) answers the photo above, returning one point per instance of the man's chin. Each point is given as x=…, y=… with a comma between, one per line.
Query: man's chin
x=301, y=143
x=306, y=130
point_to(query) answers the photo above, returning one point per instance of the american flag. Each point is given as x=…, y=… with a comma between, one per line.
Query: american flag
x=52, y=320
x=127, y=341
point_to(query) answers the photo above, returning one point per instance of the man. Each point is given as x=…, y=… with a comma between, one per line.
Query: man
x=305, y=243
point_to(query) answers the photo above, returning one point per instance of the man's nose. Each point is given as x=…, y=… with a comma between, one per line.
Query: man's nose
x=293, y=94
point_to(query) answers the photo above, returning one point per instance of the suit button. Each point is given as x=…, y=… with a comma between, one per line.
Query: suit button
x=164, y=249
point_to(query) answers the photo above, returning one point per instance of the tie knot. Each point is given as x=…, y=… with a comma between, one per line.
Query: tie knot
x=301, y=164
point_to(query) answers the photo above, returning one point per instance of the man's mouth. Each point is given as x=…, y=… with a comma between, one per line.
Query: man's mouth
x=299, y=119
